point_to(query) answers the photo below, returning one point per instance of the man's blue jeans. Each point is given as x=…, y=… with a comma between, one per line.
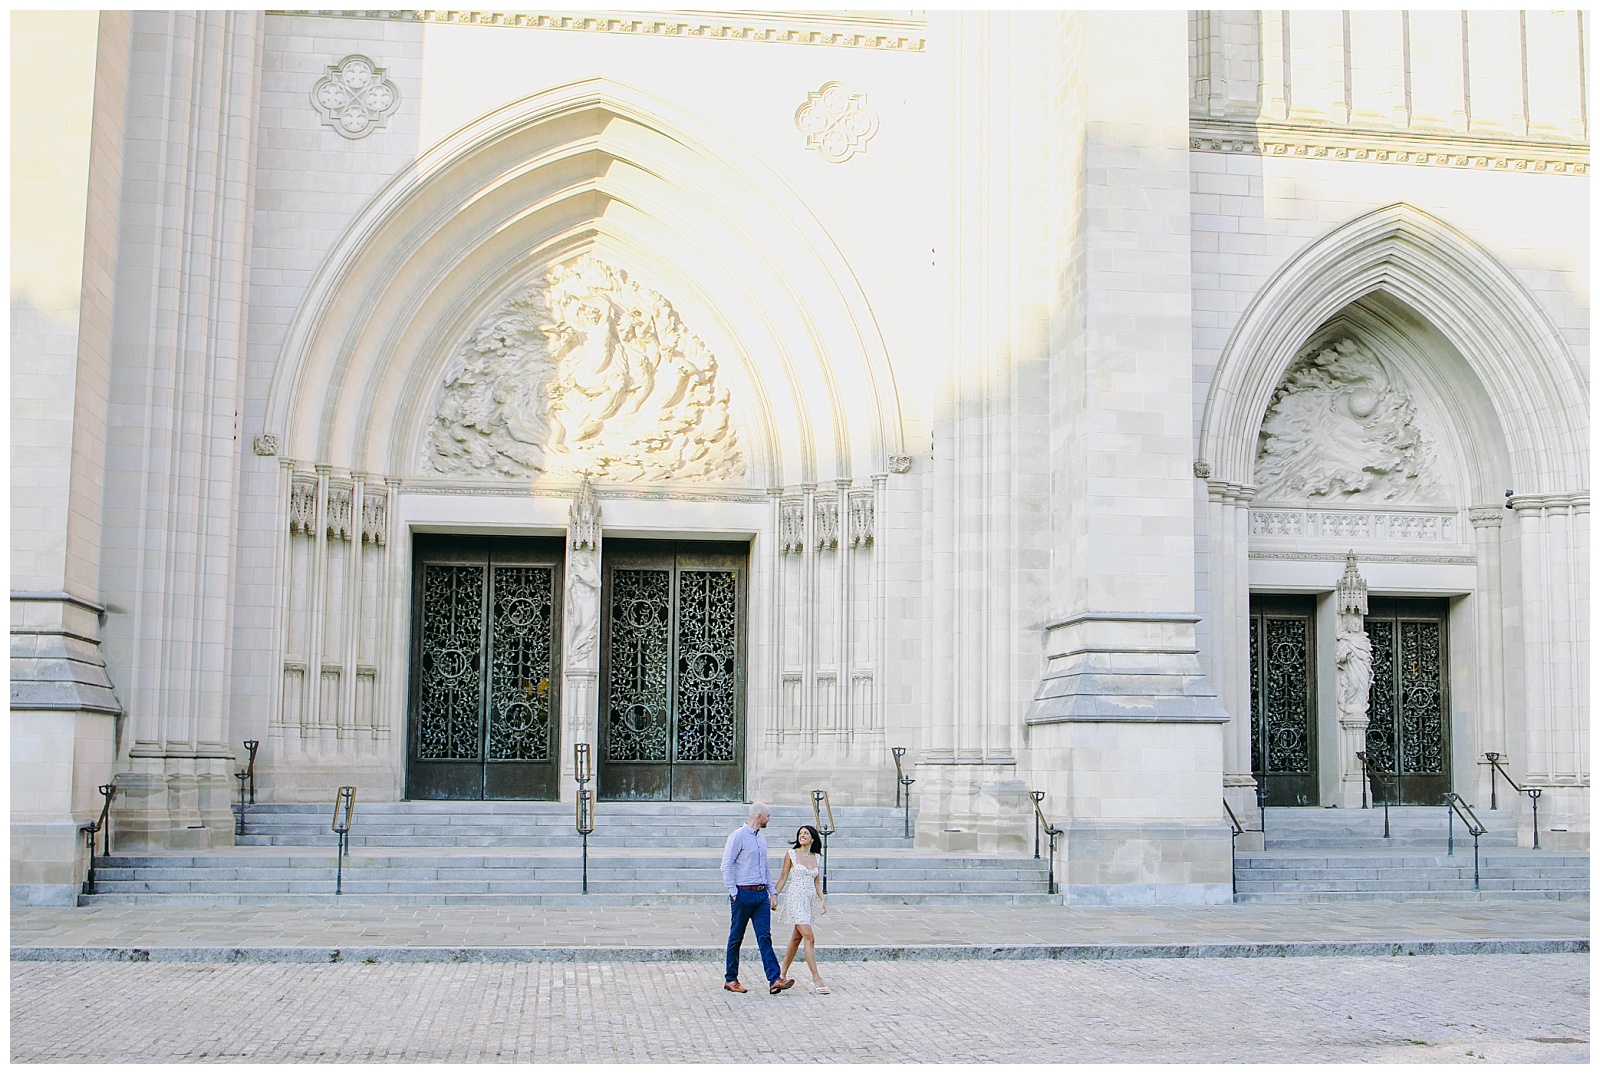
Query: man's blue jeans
x=751, y=906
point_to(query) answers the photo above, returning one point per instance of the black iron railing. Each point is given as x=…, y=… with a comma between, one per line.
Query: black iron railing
x=247, y=774
x=107, y=791
x=1238, y=830
x=1371, y=775
x=1456, y=807
x=1533, y=793
x=1051, y=831
x=819, y=806
x=344, y=808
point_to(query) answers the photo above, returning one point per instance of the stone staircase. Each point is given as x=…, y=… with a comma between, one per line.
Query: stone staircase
x=1341, y=855
x=528, y=854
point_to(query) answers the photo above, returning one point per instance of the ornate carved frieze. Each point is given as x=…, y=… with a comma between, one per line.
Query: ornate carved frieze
x=587, y=372
x=826, y=520
x=354, y=98
x=1381, y=147
x=861, y=519
x=302, y=504
x=1374, y=525
x=836, y=122
x=374, y=516
x=583, y=517
x=1340, y=429
x=1486, y=517
x=339, y=496
x=791, y=526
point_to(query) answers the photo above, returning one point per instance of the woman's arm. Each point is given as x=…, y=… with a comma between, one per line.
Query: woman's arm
x=817, y=883
x=783, y=876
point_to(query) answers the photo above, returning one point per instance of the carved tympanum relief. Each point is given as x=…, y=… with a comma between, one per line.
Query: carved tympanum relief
x=1341, y=430
x=587, y=372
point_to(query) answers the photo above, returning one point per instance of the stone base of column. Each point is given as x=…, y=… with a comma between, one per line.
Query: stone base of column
x=58, y=760
x=1563, y=818
x=579, y=715
x=971, y=805
x=1146, y=863
x=319, y=780
x=167, y=802
x=1352, y=778
x=786, y=773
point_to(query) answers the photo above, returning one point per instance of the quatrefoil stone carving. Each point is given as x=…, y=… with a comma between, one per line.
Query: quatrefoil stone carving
x=836, y=122
x=354, y=98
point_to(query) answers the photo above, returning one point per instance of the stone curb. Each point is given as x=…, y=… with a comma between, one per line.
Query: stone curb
x=881, y=953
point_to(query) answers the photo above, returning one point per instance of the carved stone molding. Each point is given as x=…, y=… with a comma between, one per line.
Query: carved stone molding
x=374, y=516
x=302, y=504
x=339, y=497
x=588, y=372
x=899, y=464
x=1340, y=429
x=862, y=510
x=836, y=122
x=1486, y=517
x=791, y=526
x=265, y=444
x=1383, y=147
x=1369, y=525
x=826, y=520
x=583, y=517
x=829, y=28
x=354, y=98
x=1369, y=557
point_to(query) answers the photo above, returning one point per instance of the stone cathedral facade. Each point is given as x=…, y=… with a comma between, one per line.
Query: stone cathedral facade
x=1141, y=408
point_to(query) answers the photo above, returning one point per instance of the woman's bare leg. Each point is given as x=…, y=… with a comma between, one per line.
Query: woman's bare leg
x=790, y=951
x=811, y=951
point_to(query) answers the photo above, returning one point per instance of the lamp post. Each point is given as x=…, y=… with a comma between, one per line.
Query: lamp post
x=582, y=773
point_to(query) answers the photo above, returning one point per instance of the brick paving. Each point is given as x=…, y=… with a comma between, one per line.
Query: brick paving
x=1455, y=1009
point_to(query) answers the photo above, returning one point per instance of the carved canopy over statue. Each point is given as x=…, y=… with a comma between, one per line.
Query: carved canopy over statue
x=586, y=373
x=1339, y=429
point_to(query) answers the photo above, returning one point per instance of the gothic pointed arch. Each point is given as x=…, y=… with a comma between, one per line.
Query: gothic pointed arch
x=602, y=171
x=1403, y=264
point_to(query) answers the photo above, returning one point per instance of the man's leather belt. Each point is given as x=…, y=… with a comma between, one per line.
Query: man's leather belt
x=753, y=887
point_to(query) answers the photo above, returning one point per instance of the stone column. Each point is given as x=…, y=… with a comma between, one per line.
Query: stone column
x=173, y=439
x=1553, y=532
x=1489, y=622
x=1228, y=590
x=1125, y=729
x=1353, y=670
x=69, y=77
x=580, y=655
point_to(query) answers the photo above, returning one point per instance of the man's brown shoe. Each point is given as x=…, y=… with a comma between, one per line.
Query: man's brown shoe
x=734, y=986
x=780, y=984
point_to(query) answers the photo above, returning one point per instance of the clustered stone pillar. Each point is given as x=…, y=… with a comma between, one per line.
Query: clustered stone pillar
x=1227, y=538
x=173, y=451
x=580, y=659
x=1489, y=623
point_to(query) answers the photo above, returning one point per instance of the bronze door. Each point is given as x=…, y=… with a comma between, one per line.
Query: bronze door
x=1283, y=698
x=672, y=671
x=1408, y=710
x=485, y=668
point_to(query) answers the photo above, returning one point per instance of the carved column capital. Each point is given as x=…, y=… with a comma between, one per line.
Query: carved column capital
x=1486, y=517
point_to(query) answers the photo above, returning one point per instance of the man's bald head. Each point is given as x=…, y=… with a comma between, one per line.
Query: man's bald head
x=759, y=814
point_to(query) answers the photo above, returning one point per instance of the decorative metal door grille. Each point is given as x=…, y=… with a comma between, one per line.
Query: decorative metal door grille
x=1407, y=728
x=485, y=668
x=1282, y=692
x=640, y=699
x=672, y=671
x=452, y=663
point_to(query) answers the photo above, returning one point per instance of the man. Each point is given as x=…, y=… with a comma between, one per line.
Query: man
x=748, y=878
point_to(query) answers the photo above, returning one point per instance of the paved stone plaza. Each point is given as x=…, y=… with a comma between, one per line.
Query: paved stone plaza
x=1457, y=1009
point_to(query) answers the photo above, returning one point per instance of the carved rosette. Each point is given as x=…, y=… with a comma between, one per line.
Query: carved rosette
x=303, y=505
x=588, y=373
x=1339, y=429
x=836, y=122
x=862, y=511
x=354, y=98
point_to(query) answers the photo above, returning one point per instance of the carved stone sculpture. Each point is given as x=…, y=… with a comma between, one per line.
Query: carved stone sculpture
x=1352, y=648
x=583, y=517
x=586, y=373
x=1340, y=430
x=583, y=605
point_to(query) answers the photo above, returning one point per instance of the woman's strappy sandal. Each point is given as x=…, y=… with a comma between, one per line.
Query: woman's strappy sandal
x=821, y=990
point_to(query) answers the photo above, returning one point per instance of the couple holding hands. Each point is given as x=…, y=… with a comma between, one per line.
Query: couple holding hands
x=753, y=897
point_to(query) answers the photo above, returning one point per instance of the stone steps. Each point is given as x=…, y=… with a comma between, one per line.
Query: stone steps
x=1409, y=826
x=574, y=898
x=1358, y=873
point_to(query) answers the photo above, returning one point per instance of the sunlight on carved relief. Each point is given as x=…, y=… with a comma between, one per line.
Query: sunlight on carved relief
x=588, y=372
x=1340, y=429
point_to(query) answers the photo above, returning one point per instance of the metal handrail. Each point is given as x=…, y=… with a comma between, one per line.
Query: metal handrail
x=1238, y=830
x=1367, y=769
x=1050, y=830
x=252, y=744
x=108, y=791
x=343, y=803
x=584, y=820
x=819, y=805
x=903, y=782
x=1457, y=807
x=1533, y=793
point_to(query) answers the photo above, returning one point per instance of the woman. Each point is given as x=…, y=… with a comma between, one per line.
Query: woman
x=804, y=900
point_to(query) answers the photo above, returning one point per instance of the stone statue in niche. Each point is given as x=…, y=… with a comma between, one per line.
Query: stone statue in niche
x=1352, y=648
x=588, y=372
x=1340, y=430
x=583, y=575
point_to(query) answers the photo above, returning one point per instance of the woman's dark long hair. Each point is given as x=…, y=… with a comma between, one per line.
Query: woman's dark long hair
x=816, y=838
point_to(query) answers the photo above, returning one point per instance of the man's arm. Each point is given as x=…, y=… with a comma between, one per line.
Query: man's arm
x=730, y=852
